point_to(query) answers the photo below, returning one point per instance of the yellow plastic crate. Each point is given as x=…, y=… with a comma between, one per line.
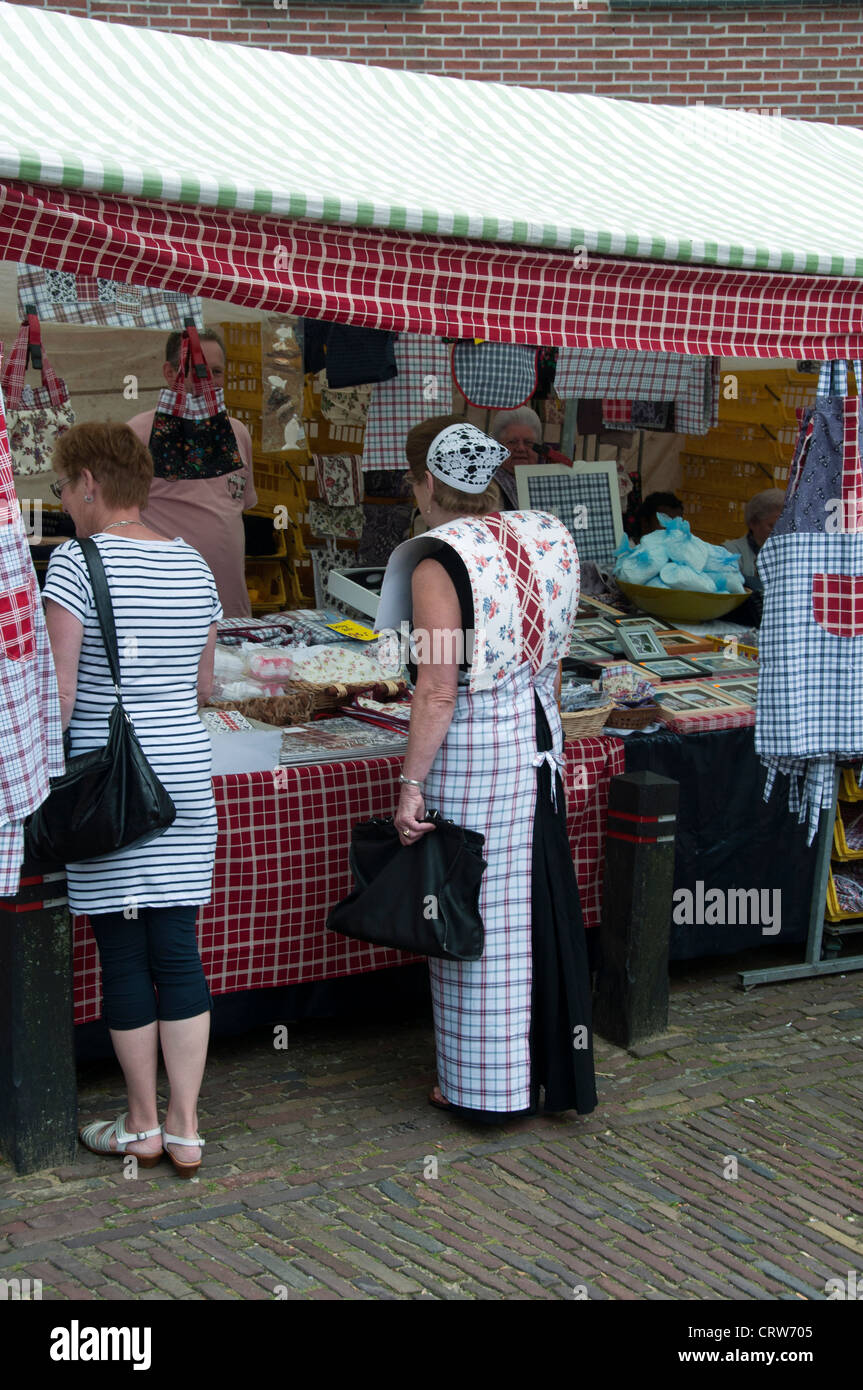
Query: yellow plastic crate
x=735, y=478
x=833, y=911
x=848, y=789
x=713, y=513
x=278, y=484
x=840, y=844
x=265, y=581
x=744, y=442
x=242, y=341
x=794, y=389
x=253, y=421
x=244, y=388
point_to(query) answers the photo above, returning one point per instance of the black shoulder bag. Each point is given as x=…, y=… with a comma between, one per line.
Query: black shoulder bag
x=422, y=898
x=109, y=798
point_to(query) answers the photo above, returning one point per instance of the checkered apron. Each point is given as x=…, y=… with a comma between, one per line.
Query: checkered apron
x=485, y=778
x=31, y=740
x=495, y=376
x=810, y=687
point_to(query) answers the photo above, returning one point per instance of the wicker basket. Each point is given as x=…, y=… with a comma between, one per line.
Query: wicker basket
x=639, y=718
x=303, y=700
x=582, y=723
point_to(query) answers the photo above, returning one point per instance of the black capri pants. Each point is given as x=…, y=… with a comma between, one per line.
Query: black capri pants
x=151, y=967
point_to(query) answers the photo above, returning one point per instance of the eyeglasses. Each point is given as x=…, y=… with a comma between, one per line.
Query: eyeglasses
x=57, y=488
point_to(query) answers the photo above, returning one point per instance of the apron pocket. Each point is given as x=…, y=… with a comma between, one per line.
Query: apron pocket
x=837, y=603
x=17, y=635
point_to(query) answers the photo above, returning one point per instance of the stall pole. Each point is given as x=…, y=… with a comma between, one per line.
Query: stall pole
x=813, y=964
x=631, y=1002
x=38, y=1095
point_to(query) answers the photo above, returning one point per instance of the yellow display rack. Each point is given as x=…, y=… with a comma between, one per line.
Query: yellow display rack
x=280, y=479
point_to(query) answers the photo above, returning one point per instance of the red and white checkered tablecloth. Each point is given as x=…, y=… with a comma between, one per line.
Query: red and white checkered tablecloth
x=282, y=862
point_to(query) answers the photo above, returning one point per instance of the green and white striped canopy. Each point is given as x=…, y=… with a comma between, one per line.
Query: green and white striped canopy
x=115, y=109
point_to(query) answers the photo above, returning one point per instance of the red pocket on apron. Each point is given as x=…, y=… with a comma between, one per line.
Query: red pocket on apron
x=17, y=635
x=837, y=603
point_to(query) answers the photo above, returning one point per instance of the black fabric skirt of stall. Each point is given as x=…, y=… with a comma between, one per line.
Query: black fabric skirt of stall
x=561, y=1033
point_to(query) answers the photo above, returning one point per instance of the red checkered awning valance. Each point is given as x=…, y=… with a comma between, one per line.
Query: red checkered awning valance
x=441, y=287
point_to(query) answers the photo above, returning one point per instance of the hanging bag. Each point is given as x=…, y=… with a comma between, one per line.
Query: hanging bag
x=35, y=416
x=192, y=435
x=810, y=686
x=109, y=798
x=421, y=898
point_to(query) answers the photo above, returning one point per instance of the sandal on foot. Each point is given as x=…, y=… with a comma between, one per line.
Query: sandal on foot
x=437, y=1100
x=185, y=1170
x=98, y=1134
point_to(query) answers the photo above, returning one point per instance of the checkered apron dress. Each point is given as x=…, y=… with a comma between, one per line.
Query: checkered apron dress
x=810, y=687
x=522, y=565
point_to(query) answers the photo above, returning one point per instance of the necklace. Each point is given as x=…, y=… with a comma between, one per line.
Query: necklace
x=121, y=523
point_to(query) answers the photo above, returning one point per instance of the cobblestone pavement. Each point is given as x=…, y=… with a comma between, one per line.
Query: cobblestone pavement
x=327, y=1176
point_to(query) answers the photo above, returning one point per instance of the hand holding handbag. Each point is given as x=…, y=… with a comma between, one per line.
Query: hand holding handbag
x=109, y=798
x=421, y=898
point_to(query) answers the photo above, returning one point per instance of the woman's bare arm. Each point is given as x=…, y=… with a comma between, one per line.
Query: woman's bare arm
x=205, y=666
x=436, y=610
x=66, y=633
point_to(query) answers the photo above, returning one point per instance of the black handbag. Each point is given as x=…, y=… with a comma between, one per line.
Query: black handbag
x=109, y=798
x=421, y=898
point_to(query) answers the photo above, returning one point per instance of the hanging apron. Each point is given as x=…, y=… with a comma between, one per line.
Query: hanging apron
x=810, y=685
x=524, y=575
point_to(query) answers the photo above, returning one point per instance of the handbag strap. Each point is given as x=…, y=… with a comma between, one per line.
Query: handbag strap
x=27, y=346
x=192, y=356
x=104, y=607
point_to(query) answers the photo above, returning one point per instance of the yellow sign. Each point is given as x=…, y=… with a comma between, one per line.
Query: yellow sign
x=349, y=629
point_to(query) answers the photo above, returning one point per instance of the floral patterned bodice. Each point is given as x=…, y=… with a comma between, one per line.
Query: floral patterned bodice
x=524, y=575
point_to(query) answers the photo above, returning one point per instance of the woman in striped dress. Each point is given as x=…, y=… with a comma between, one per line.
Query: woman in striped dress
x=484, y=749
x=142, y=901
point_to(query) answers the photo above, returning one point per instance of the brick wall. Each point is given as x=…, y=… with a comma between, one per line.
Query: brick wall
x=806, y=62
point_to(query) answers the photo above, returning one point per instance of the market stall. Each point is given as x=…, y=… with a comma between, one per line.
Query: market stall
x=380, y=212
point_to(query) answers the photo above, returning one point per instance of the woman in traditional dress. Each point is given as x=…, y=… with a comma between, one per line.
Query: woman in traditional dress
x=484, y=749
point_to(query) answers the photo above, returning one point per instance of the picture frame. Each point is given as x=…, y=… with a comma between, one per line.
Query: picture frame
x=693, y=699
x=717, y=664
x=593, y=629
x=743, y=688
x=677, y=643
x=640, y=641
x=670, y=668
x=642, y=621
x=588, y=651
x=596, y=605
x=584, y=496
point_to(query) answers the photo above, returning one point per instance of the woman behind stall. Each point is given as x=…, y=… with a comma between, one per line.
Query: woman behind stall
x=142, y=901
x=520, y=432
x=484, y=749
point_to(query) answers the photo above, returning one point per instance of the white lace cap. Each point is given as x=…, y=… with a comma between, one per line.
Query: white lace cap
x=465, y=458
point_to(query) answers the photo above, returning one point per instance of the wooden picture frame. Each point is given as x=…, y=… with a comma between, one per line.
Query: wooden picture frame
x=671, y=668
x=694, y=699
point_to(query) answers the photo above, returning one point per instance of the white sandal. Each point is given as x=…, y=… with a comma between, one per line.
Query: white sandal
x=185, y=1170
x=97, y=1137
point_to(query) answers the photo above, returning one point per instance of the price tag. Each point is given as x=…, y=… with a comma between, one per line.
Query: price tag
x=349, y=629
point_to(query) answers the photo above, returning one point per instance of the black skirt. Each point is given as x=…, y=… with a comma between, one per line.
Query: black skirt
x=561, y=1033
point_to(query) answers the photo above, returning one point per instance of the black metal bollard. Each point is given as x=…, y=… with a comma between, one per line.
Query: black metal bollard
x=38, y=1093
x=631, y=1001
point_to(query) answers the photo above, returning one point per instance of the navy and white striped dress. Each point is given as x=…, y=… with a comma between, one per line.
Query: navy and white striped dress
x=164, y=599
